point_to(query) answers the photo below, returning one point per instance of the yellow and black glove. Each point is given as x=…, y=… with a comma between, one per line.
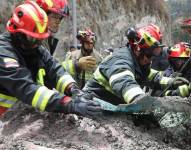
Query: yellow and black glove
x=178, y=81
x=183, y=91
x=87, y=63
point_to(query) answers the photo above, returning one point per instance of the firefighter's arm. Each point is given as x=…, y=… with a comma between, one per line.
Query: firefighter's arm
x=124, y=83
x=163, y=82
x=18, y=81
x=59, y=77
x=122, y=79
x=158, y=79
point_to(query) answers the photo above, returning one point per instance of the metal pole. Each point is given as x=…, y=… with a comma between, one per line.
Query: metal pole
x=170, y=30
x=74, y=22
x=170, y=20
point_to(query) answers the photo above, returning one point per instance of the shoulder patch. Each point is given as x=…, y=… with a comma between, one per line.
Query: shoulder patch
x=10, y=62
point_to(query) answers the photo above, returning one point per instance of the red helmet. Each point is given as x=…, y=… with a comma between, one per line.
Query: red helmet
x=86, y=36
x=56, y=6
x=186, y=25
x=180, y=50
x=29, y=19
x=150, y=36
x=154, y=31
x=146, y=39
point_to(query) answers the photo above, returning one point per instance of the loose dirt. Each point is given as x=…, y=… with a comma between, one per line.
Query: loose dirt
x=23, y=128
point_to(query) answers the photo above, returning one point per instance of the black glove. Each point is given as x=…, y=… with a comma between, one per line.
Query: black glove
x=81, y=106
x=74, y=90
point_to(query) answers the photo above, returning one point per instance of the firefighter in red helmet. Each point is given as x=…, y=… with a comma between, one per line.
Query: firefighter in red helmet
x=120, y=78
x=159, y=62
x=29, y=72
x=179, y=55
x=56, y=11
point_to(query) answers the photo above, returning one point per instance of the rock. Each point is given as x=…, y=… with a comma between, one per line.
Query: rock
x=31, y=146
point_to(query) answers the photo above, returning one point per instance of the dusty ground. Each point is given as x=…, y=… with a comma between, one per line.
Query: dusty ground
x=23, y=128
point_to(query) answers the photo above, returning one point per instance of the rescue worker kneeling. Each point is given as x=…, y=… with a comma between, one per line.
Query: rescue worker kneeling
x=121, y=76
x=25, y=63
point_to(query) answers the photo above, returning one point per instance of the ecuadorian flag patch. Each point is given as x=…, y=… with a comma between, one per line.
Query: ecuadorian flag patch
x=10, y=62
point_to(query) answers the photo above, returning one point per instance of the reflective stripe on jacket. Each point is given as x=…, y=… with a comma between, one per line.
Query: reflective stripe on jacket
x=7, y=101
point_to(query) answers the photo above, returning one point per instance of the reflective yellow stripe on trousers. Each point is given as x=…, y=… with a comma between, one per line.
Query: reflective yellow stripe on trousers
x=41, y=98
x=7, y=101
